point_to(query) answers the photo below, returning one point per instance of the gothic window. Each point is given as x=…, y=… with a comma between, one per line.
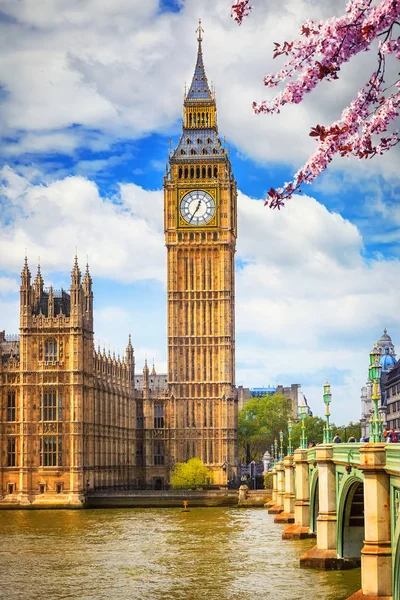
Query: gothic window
x=180, y=173
x=182, y=151
x=139, y=455
x=207, y=119
x=186, y=172
x=51, y=407
x=214, y=151
x=215, y=172
x=159, y=453
x=202, y=119
x=198, y=172
x=205, y=151
x=50, y=351
x=191, y=172
x=139, y=415
x=158, y=416
x=209, y=172
x=208, y=140
x=188, y=141
x=190, y=120
x=198, y=140
x=51, y=451
x=11, y=406
x=192, y=151
x=203, y=172
x=11, y=452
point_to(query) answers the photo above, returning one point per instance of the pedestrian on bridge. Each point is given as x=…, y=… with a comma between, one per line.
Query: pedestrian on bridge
x=337, y=439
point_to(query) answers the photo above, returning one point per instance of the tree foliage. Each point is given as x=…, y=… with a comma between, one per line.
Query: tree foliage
x=317, y=55
x=260, y=421
x=190, y=475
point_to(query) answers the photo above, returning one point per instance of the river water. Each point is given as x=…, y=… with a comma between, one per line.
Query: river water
x=150, y=554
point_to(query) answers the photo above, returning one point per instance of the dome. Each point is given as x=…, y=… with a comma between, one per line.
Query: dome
x=387, y=360
x=386, y=341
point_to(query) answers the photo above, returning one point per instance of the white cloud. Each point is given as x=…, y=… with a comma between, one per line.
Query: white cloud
x=50, y=220
x=8, y=285
x=119, y=69
x=307, y=303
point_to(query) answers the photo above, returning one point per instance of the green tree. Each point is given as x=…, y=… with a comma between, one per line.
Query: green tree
x=345, y=431
x=259, y=424
x=190, y=475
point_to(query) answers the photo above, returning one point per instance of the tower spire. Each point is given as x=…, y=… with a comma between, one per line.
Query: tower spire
x=199, y=88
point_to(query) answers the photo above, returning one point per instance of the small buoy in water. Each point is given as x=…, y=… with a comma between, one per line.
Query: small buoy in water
x=185, y=508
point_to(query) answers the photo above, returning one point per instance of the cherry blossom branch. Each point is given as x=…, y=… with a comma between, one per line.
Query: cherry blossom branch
x=319, y=54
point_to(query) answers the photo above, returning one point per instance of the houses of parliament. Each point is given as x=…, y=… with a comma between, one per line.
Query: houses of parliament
x=75, y=419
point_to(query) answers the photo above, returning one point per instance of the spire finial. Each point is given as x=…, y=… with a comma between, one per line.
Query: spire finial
x=199, y=31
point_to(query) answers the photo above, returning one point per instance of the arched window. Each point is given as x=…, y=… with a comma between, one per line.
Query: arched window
x=198, y=172
x=51, y=406
x=202, y=119
x=198, y=140
x=180, y=172
x=205, y=151
x=188, y=141
x=159, y=458
x=203, y=172
x=190, y=120
x=192, y=151
x=214, y=151
x=50, y=351
x=182, y=151
x=186, y=172
x=215, y=172
x=207, y=119
x=11, y=406
x=159, y=416
x=209, y=172
x=191, y=173
x=208, y=140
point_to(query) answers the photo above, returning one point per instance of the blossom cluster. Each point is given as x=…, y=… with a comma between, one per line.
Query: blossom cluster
x=318, y=55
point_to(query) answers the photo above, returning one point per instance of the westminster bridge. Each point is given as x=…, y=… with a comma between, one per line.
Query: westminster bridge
x=347, y=496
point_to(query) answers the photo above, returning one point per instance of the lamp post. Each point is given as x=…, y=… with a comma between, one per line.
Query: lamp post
x=327, y=400
x=302, y=415
x=375, y=368
x=276, y=450
x=272, y=455
x=281, y=444
x=289, y=428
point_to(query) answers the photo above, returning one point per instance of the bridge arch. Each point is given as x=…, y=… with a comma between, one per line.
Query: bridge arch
x=350, y=518
x=314, y=500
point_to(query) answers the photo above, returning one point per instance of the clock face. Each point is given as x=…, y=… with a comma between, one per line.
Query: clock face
x=197, y=207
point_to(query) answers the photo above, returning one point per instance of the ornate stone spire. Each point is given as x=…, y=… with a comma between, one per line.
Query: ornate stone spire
x=87, y=280
x=153, y=371
x=38, y=283
x=199, y=88
x=76, y=273
x=26, y=274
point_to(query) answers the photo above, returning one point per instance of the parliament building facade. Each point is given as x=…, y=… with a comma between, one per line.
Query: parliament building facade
x=75, y=419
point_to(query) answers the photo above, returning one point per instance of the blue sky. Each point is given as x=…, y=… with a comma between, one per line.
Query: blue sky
x=91, y=93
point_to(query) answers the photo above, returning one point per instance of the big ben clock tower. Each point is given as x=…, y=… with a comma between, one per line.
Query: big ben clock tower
x=200, y=231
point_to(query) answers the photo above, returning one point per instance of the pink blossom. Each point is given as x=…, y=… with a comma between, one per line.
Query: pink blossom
x=318, y=54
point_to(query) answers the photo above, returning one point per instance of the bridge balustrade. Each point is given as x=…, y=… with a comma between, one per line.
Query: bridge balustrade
x=349, y=495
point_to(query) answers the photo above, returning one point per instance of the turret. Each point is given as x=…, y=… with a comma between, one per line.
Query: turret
x=76, y=293
x=25, y=296
x=38, y=285
x=146, y=374
x=130, y=361
x=88, y=297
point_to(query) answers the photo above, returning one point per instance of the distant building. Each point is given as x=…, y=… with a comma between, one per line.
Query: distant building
x=293, y=393
x=388, y=362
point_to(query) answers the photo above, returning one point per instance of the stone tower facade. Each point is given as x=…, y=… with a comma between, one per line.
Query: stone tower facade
x=67, y=412
x=200, y=231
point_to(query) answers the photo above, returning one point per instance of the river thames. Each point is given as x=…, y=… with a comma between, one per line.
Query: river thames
x=146, y=554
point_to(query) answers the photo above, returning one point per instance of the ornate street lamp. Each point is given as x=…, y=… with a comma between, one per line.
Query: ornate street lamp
x=272, y=455
x=276, y=450
x=327, y=400
x=302, y=415
x=375, y=368
x=289, y=428
x=281, y=444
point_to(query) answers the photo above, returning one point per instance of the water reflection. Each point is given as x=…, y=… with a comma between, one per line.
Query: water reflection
x=223, y=554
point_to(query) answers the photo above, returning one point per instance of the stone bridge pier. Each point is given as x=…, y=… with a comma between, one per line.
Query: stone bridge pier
x=348, y=495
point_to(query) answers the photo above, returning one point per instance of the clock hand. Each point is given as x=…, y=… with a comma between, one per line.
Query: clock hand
x=197, y=208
